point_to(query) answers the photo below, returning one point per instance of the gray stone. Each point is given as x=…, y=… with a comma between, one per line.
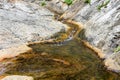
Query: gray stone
x=22, y=22
x=102, y=29
x=57, y=6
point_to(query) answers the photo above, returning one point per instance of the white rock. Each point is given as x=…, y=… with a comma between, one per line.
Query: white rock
x=17, y=77
x=24, y=23
x=103, y=29
x=64, y=7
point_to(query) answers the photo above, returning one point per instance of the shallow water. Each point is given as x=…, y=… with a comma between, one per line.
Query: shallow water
x=71, y=61
x=64, y=59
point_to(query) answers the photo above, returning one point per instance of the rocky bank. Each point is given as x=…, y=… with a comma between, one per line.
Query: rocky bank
x=102, y=29
x=22, y=22
x=101, y=20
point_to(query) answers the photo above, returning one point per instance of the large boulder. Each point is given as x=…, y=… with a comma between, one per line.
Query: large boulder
x=23, y=22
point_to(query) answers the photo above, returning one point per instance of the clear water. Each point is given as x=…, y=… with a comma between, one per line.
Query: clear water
x=72, y=61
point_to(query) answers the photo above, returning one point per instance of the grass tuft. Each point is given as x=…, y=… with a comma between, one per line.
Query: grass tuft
x=69, y=2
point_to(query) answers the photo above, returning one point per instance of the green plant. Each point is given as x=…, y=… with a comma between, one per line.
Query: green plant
x=88, y=1
x=104, y=4
x=117, y=49
x=100, y=6
x=69, y=2
x=43, y=3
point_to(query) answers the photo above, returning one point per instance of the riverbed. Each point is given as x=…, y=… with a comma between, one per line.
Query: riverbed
x=70, y=61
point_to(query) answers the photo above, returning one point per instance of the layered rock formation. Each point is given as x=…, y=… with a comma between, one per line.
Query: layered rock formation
x=23, y=22
x=102, y=29
x=101, y=19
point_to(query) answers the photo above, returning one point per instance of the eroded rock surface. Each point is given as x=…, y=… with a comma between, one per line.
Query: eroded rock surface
x=101, y=19
x=103, y=29
x=23, y=22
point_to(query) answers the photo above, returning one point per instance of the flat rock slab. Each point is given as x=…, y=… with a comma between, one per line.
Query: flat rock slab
x=17, y=77
x=22, y=22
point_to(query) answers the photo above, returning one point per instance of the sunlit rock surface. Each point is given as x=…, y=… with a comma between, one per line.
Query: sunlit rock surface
x=103, y=29
x=22, y=22
x=17, y=77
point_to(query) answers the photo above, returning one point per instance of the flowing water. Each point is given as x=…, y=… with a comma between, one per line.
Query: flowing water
x=71, y=61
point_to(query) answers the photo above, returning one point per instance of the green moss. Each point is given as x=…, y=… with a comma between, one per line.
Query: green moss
x=88, y=1
x=43, y=3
